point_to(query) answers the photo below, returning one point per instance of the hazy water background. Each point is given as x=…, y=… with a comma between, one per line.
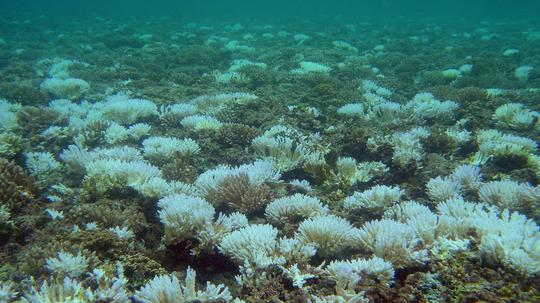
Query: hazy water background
x=265, y=10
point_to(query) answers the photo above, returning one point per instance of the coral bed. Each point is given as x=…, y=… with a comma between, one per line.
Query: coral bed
x=366, y=162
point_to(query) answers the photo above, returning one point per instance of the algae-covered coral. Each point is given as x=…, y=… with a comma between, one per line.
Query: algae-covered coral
x=367, y=161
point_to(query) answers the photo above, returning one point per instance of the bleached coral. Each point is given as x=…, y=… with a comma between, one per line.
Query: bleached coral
x=468, y=176
x=508, y=194
x=425, y=105
x=116, y=133
x=43, y=166
x=281, y=150
x=348, y=169
x=201, y=122
x=458, y=137
x=347, y=274
x=379, y=197
x=71, y=88
x=256, y=173
x=352, y=109
x=389, y=114
x=139, y=130
x=441, y=189
x=106, y=174
x=515, y=116
x=8, y=114
x=123, y=232
x=168, y=289
x=7, y=291
x=255, y=244
x=393, y=241
x=177, y=111
x=165, y=148
x=307, y=67
x=58, y=291
x=290, y=208
x=407, y=146
x=68, y=264
x=124, y=110
x=493, y=143
x=370, y=86
x=328, y=233
x=288, y=148
x=522, y=73
x=214, y=103
x=511, y=239
x=183, y=216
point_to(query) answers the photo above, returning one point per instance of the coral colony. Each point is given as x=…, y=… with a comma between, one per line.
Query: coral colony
x=270, y=163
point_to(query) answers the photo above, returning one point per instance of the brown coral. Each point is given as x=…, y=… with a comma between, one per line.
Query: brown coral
x=109, y=213
x=17, y=188
x=34, y=120
x=240, y=195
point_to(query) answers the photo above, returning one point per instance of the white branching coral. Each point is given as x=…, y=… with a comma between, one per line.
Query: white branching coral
x=43, y=166
x=329, y=234
x=168, y=289
x=349, y=170
x=107, y=174
x=183, y=216
x=347, y=274
x=201, y=122
x=288, y=209
x=468, y=176
x=387, y=113
x=426, y=224
x=457, y=137
x=509, y=194
x=425, y=106
x=165, y=148
x=68, y=264
x=506, y=237
x=126, y=111
x=177, y=111
x=492, y=143
x=407, y=146
x=71, y=88
x=307, y=67
x=393, y=241
x=215, y=103
x=288, y=148
x=8, y=114
x=257, y=173
x=58, y=291
x=139, y=130
x=116, y=133
x=352, y=109
x=514, y=116
x=510, y=239
x=379, y=197
x=255, y=244
x=7, y=291
x=441, y=189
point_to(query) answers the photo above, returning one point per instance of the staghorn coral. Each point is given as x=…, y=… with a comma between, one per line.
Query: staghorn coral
x=36, y=119
x=17, y=188
x=109, y=213
x=168, y=289
x=139, y=268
